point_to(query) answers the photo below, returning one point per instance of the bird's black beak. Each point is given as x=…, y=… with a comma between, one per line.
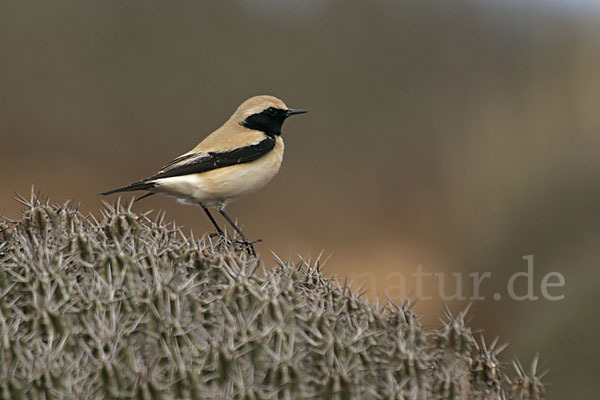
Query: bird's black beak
x=294, y=111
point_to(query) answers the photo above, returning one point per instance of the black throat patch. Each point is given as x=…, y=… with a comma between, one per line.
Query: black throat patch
x=268, y=121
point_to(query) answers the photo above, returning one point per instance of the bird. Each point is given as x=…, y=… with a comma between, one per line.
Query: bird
x=238, y=158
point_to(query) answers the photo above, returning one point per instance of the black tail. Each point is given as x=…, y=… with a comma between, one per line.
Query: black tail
x=132, y=187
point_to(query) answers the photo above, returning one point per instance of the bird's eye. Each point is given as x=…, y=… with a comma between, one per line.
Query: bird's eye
x=271, y=111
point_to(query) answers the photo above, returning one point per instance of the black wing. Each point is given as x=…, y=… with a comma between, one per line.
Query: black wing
x=201, y=162
x=194, y=163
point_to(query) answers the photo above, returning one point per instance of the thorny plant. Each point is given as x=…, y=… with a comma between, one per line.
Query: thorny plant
x=128, y=306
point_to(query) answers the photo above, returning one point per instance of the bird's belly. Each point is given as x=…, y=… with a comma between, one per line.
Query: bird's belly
x=224, y=184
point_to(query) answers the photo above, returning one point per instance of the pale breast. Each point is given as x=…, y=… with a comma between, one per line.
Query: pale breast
x=224, y=184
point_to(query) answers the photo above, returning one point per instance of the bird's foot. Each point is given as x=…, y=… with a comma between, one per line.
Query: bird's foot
x=223, y=239
x=216, y=234
x=249, y=245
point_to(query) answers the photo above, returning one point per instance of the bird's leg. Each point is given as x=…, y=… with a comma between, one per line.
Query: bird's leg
x=245, y=241
x=219, y=230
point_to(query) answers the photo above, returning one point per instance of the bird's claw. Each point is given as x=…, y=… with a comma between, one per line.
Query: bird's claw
x=249, y=245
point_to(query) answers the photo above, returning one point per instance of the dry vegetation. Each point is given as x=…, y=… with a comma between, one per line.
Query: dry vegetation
x=129, y=307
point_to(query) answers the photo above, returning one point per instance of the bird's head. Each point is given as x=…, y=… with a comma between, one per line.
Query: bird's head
x=264, y=113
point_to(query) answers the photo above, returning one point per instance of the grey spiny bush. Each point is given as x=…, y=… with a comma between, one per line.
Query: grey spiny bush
x=129, y=307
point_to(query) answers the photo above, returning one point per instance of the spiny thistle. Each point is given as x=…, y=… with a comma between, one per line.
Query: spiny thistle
x=129, y=307
x=527, y=385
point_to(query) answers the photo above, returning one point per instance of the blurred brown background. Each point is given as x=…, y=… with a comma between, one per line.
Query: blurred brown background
x=460, y=136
